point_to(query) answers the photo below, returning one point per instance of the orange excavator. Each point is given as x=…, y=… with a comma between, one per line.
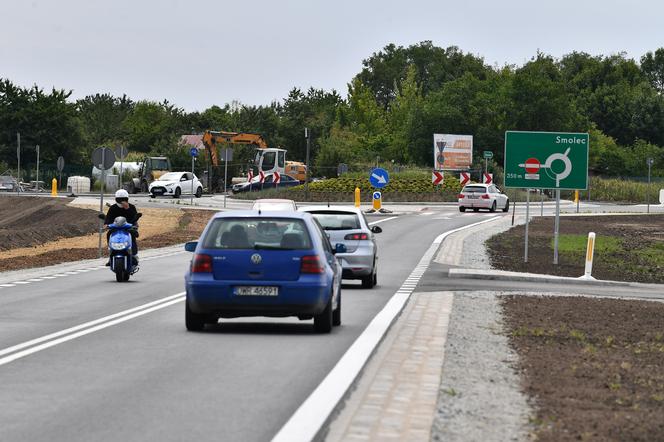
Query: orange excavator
x=268, y=159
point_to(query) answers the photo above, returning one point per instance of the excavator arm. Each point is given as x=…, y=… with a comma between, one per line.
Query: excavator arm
x=211, y=138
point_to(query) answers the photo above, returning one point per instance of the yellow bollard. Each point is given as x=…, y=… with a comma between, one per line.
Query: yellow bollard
x=357, y=197
x=54, y=187
x=576, y=196
x=377, y=197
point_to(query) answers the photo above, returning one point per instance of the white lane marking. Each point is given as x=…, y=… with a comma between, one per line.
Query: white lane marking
x=7, y=285
x=383, y=220
x=35, y=280
x=114, y=319
x=426, y=213
x=21, y=282
x=309, y=418
x=49, y=277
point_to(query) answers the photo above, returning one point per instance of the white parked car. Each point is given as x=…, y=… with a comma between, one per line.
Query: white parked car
x=483, y=196
x=175, y=184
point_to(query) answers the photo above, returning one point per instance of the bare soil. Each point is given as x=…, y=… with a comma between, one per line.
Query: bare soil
x=593, y=367
x=29, y=221
x=44, y=231
x=637, y=234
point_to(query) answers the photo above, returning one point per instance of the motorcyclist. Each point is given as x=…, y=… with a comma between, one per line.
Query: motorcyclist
x=123, y=208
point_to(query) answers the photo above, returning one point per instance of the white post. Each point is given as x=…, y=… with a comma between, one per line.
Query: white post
x=525, y=253
x=191, y=199
x=590, y=254
x=556, y=228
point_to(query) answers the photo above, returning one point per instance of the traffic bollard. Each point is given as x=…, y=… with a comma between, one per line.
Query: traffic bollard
x=357, y=197
x=590, y=254
x=54, y=187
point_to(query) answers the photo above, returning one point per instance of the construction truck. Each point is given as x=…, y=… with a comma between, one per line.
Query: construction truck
x=267, y=159
x=150, y=169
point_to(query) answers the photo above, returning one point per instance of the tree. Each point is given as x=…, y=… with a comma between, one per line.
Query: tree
x=153, y=126
x=46, y=119
x=652, y=65
x=102, y=118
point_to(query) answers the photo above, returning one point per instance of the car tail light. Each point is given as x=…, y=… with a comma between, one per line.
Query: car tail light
x=311, y=264
x=201, y=264
x=461, y=195
x=485, y=196
x=356, y=236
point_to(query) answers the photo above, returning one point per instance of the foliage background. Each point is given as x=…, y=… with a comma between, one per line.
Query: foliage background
x=400, y=97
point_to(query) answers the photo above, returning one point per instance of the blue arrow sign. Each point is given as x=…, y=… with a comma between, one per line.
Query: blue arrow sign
x=379, y=178
x=194, y=152
x=376, y=195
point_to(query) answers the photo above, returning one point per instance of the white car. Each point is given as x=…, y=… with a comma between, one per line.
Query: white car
x=175, y=184
x=483, y=196
x=272, y=204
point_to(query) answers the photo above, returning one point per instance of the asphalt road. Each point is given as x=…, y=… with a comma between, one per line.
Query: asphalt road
x=140, y=376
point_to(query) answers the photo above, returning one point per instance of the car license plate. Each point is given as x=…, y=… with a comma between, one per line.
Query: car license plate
x=256, y=291
x=472, y=197
x=159, y=191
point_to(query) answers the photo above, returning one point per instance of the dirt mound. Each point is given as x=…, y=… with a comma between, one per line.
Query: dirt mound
x=29, y=221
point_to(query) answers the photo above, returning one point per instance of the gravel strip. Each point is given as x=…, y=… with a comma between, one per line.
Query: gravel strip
x=474, y=253
x=480, y=397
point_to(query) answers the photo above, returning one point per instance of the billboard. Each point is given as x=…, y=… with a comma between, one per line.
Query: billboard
x=452, y=152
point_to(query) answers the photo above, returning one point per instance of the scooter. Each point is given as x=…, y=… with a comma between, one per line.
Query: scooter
x=123, y=264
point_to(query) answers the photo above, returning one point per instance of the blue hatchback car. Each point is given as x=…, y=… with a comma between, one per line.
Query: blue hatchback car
x=276, y=264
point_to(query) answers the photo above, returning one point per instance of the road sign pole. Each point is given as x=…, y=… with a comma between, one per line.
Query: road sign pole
x=191, y=199
x=18, y=156
x=37, y=182
x=101, y=196
x=525, y=253
x=648, y=191
x=486, y=165
x=542, y=205
x=225, y=176
x=307, y=135
x=556, y=228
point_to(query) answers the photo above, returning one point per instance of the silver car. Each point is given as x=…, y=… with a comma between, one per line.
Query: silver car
x=347, y=225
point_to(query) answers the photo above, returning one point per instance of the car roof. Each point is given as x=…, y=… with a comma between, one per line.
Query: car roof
x=477, y=184
x=351, y=209
x=273, y=200
x=257, y=214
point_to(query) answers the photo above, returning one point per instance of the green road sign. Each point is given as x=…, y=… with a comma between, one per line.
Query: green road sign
x=546, y=160
x=488, y=154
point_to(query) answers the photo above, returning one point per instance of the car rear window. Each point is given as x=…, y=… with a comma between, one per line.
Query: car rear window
x=474, y=189
x=331, y=220
x=257, y=233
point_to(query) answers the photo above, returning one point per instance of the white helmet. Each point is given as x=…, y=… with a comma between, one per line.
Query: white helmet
x=121, y=194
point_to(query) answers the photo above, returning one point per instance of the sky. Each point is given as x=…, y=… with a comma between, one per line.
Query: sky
x=198, y=53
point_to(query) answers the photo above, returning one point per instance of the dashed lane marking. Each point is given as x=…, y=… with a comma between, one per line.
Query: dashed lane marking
x=98, y=267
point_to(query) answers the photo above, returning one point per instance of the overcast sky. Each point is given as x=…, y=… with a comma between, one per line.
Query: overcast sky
x=201, y=52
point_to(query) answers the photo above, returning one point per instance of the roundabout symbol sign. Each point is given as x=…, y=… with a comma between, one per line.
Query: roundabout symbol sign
x=546, y=160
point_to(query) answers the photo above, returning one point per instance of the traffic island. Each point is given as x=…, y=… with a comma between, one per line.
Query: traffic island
x=590, y=379
x=628, y=248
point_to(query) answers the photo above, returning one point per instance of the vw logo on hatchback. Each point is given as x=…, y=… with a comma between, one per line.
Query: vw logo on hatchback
x=256, y=258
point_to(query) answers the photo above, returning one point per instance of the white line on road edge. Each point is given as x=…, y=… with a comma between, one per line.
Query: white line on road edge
x=311, y=416
x=113, y=319
x=383, y=220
